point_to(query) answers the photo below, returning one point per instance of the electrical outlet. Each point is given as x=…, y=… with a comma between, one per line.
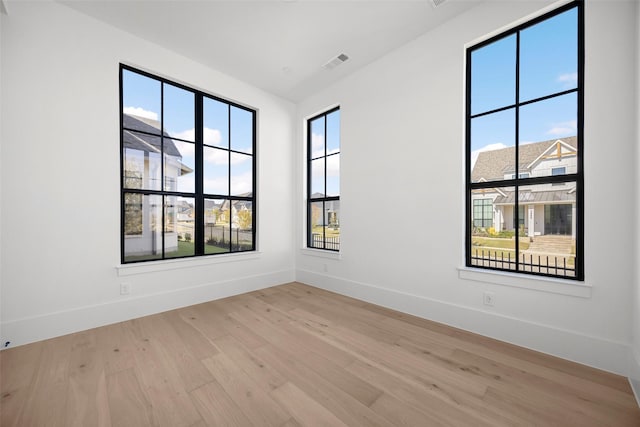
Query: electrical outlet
x=325, y=268
x=125, y=288
x=488, y=298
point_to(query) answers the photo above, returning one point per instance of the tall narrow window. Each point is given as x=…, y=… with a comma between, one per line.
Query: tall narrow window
x=187, y=171
x=323, y=181
x=524, y=121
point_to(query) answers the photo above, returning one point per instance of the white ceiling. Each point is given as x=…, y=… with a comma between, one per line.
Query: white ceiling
x=277, y=45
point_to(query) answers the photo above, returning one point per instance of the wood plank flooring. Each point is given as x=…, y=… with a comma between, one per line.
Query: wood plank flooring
x=294, y=355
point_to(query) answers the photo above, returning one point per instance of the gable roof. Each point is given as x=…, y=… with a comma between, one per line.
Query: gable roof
x=133, y=137
x=494, y=164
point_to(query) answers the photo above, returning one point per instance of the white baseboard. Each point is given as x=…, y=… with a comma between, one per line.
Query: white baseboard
x=588, y=350
x=634, y=376
x=50, y=325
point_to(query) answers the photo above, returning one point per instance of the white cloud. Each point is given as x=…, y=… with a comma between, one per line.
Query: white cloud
x=564, y=128
x=211, y=136
x=568, y=80
x=490, y=147
x=140, y=112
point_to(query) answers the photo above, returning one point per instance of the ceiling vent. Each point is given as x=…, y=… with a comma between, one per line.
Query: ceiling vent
x=437, y=3
x=334, y=62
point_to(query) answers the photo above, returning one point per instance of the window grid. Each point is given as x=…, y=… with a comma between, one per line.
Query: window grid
x=322, y=209
x=518, y=180
x=163, y=210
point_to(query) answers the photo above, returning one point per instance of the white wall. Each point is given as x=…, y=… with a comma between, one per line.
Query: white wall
x=402, y=155
x=635, y=374
x=60, y=179
x=2, y=17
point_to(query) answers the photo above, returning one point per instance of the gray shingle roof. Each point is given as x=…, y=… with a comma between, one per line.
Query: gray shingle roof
x=492, y=165
x=133, y=138
x=537, y=197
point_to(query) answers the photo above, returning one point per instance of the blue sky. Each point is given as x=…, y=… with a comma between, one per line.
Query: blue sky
x=142, y=97
x=548, y=64
x=331, y=142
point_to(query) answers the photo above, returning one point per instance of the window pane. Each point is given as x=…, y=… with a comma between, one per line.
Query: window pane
x=216, y=123
x=333, y=175
x=180, y=167
x=317, y=178
x=179, y=234
x=242, y=226
x=241, y=130
x=217, y=227
x=241, y=174
x=317, y=138
x=333, y=132
x=332, y=221
x=492, y=231
x=549, y=56
x=141, y=98
x=493, y=154
x=493, y=76
x=317, y=225
x=141, y=161
x=143, y=227
x=216, y=171
x=550, y=229
x=548, y=132
x=179, y=115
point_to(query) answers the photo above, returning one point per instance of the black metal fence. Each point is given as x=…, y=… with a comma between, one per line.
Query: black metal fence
x=329, y=242
x=534, y=263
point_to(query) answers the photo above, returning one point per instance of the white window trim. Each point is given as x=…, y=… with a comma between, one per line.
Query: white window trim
x=181, y=263
x=518, y=280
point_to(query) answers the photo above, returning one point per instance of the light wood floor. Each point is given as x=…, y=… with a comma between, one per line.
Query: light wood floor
x=294, y=355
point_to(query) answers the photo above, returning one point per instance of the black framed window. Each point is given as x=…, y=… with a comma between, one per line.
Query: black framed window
x=483, y=213
x=524, y=147
x=323, y=181
x=187, y=171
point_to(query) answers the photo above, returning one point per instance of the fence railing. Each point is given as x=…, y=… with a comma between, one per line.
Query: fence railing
x=329, y=242
x=535, y=263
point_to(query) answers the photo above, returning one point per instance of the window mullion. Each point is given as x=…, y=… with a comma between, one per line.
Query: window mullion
x=516, y=210
x=162, y=188
x=199, y=175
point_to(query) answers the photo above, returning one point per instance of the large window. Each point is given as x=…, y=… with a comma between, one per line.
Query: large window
x=187, y=171
x=323, y=181
x=524, y=121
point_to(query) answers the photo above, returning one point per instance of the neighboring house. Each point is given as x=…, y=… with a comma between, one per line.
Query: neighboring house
x=543, y=209
x=331, y=215
x=143, y=170
x=236, y=206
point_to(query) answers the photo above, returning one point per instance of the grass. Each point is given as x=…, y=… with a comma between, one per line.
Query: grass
x=329, y=232
x=184, y=249
x=498, y=243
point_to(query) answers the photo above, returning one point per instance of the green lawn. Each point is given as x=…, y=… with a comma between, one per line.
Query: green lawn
x=489, y=242
x=184, y=249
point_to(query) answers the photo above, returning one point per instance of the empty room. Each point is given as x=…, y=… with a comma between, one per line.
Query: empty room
x=309, y=212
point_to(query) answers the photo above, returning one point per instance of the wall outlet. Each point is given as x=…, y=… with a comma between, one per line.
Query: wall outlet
x=488, y=298
x=325, y=268
x=125, y=288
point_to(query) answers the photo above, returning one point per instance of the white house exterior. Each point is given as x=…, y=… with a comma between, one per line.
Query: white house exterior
x=143, y=214
x=543, y=209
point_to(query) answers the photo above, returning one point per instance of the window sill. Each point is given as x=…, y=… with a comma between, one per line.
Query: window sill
x=175, y=264
x=536, y=283
x=320, y=253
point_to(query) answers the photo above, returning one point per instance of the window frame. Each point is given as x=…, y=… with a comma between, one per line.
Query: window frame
x=198, y=195
x=517, y=181
x=325, y=199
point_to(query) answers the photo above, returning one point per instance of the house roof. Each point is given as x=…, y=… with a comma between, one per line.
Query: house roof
x=537, y=197
x=133, y=138
x=494, y=164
